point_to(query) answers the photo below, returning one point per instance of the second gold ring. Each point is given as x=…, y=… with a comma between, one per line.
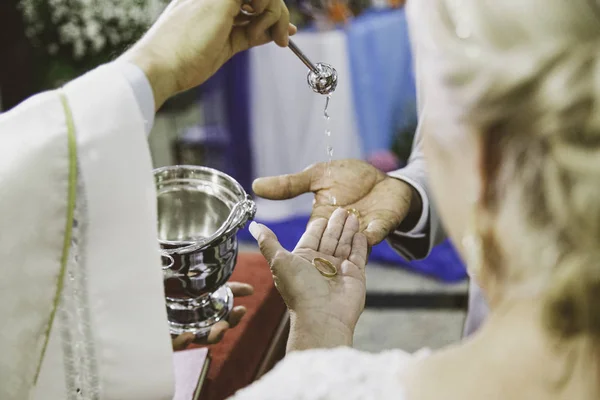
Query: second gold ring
x=331, y=269
x=354, y=211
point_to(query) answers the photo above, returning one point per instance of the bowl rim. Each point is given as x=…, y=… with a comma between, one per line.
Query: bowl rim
x=244, y=198
x=158, y=171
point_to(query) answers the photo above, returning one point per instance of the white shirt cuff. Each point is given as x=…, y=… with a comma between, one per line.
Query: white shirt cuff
x=142, y=91
x=419, y=228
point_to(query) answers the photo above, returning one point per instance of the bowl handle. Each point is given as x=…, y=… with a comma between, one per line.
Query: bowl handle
x=247, y=209
x=241, y=213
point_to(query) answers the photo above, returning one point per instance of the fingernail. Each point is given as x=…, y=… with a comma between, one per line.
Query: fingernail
x=253, y=228
x=240, y=309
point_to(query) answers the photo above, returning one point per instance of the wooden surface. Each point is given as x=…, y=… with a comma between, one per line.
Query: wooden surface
x=257, y=341
x=276, y=350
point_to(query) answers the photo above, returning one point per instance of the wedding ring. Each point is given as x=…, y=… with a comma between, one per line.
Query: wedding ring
x=247, y=9
x=354, y=211
x=332, y=269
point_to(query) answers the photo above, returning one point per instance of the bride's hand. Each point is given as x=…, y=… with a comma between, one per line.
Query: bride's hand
x=312, y=298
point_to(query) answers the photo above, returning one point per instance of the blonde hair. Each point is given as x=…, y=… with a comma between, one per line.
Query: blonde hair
x=526, y=75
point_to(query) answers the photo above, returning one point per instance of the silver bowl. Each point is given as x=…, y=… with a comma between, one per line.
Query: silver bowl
x=200, y=211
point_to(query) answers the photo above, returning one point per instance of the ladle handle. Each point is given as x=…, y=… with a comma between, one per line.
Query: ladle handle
x=302, y=57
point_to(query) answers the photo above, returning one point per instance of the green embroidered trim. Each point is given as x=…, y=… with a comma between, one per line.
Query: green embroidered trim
x=71, y=199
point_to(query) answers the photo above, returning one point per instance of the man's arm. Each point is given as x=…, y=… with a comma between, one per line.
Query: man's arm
x=421, y=229
x=142, y=91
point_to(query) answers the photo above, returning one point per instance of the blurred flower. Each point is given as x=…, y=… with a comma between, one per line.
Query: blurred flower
x=396, y=3
x=338, y=11
x=85, y=27
x=385, y=160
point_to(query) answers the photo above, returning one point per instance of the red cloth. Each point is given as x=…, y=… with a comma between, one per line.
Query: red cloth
x=236, y=359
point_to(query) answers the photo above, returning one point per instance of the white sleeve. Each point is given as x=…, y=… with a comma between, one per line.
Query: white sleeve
x=33, y=211
x=126, y=294
x=333, y=374
x=419, y=229
x=113, y=280
x=418, y=242
x=142, y=90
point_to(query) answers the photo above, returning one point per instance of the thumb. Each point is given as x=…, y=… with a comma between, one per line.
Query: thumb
x=376, y=231
x=284, y=187
x=267, y=241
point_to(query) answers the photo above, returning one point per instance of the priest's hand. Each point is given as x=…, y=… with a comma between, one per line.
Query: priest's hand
x=323, y=309
x=192, y=39
x=382, y=202
x=217, y=332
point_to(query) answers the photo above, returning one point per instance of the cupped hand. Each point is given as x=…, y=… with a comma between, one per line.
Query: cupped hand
x=381, y=201
x=220, y=328
x=192, y=39
x=307, y=293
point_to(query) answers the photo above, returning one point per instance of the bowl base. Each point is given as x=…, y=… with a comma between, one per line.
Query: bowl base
x=199, y=318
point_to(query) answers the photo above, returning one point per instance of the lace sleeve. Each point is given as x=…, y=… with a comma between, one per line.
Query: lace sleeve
x=341, y=373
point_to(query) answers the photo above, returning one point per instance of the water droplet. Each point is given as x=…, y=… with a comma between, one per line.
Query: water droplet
x=328, y=134
x=325, y=113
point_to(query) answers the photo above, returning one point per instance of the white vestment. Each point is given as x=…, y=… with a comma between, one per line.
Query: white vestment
x=87, y=313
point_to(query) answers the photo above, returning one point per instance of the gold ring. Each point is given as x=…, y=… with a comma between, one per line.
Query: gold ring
x=332, y=269
x=354, y=211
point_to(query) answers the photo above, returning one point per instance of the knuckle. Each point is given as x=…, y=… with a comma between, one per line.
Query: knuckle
x=289, y=185
x=344, y=249
x=259, y=5
x=262, y=244
x=328, y=237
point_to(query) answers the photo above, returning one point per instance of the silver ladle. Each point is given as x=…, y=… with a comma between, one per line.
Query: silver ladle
x=322, y=78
